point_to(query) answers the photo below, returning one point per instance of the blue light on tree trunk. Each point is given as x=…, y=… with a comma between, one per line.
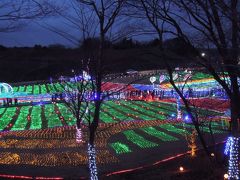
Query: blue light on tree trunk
x=92, y=162
x=231, y=149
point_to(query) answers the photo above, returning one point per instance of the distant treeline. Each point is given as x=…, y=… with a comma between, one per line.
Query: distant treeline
x=41, y=63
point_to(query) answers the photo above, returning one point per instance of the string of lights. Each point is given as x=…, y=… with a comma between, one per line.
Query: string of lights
x=92, y=162
x=232, y=149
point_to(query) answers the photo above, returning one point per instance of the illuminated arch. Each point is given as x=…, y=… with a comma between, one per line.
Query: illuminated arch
x=5, y=88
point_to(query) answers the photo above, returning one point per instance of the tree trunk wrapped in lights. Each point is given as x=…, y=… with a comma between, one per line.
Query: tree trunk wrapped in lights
x=179, y=113
x=92, y=162
x=79, y=135
x=192, y=144
x=231, y=149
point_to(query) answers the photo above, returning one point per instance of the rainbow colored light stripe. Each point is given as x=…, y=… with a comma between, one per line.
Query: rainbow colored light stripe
x=193, y=82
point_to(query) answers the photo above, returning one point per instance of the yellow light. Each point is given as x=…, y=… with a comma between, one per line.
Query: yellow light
x=181, y=168
x=225, y=176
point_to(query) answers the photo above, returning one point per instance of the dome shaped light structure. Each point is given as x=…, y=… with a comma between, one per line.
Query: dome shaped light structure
x=5, y=88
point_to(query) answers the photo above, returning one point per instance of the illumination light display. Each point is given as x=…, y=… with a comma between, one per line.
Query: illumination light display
x=179, y=113
x=231, y=149
x=92, y=162
x=138, y=140
x=120, y=148
x=159, y=134
x=5, y=88
x=78, y=135
x=192, y=143
x=32, y=117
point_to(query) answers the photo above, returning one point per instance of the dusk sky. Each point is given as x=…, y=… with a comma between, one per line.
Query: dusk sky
x=32, y=33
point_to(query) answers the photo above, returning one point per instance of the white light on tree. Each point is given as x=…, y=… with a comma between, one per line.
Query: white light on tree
x=175, y=76
x=179, y=113
x=92, y=162
x=225, y=176
x=231, y=149
x=78, y=135
x=187, y=77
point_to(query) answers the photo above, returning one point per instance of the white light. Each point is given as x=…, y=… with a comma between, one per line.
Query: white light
x=179, y=115
x=78, y=135
x=203, y=54
x=92, y=162
x=231, y=149
x=225, y=176
x=153, y=79
x=181, y=168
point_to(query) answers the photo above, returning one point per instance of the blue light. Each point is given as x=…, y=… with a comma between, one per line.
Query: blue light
x=173, y=115
x=41, y=104
x=231, y=149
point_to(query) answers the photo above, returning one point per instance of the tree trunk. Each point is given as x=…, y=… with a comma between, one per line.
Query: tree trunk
x=188, y=109
x=93, y=126
x=79, y=138
x=92, y=162
x=232, y=147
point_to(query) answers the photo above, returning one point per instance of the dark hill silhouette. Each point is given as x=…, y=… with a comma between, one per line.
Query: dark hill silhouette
x=41, y=63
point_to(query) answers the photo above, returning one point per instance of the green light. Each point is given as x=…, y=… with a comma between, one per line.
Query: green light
x=158, y=134
x=68, y=116
x=36, y=122
x=112, y=108
x=174, y=129
x=21, y=121
x=51, y=116
x=204, y=129
x=7, y=117
x=138, y=140
x=120, y=148
x=148, y=112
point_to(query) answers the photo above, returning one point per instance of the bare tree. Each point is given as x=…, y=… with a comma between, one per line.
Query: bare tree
x=14, y=14
x=106, y=13
x=218, y=23
x=82, y=22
